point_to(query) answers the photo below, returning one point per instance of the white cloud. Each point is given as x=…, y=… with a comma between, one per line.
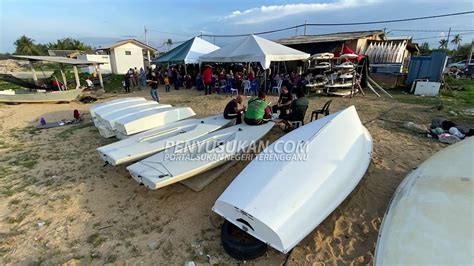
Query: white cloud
x=266, y=13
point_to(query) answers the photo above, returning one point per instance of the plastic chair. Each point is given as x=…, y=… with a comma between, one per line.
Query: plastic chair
x=254, y=87
x=246, y=85
x=277, y=88
x=222, y=86
x=324, y=111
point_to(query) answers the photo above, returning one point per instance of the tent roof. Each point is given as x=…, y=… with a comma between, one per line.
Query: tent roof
x=254, y=49
x=188, y=52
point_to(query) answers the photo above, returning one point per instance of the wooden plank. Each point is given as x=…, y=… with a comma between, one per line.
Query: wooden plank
x=198, y=182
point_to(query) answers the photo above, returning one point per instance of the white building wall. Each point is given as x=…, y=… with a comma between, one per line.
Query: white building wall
x=104, y=69
x=125, y=57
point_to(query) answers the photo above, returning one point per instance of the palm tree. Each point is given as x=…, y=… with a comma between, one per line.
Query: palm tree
x=26, y=46
x=443, y=43
x=168, y=43
x=457, y=40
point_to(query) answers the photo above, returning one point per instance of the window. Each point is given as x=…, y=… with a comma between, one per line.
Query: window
x=128, y=52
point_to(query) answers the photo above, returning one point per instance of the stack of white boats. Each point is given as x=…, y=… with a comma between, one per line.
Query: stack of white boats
x=338, y=149
x=149, y=132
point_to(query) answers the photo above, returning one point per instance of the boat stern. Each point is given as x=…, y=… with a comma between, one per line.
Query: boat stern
x=148, y=175
x=251, y=225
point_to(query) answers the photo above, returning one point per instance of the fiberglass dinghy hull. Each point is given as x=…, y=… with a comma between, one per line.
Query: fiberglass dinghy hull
x=146, y=120
x=429, y=220
x=280, y=202
x=155, y=140
x=106, y=123
x=197, y=156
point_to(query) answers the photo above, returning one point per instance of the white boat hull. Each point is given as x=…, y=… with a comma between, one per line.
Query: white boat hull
x=155, y=140
x=142, y=121
x=192, y=158
x=280, y=202
x=97, y=108
x=106, y=123
x=430, y=217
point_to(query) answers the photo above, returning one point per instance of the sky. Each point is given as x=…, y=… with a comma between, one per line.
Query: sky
x=101, y=22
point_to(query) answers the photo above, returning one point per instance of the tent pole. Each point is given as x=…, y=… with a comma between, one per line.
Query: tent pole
x=64, y=76
x=97, y=69
x=76, y=76
x=265, y=81
x=35, y=77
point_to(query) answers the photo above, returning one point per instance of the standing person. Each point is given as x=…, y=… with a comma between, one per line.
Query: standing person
x=207, y=78
x=234, y=109
x=175, y=79
x=154, y=87
x=126, y=83
x=135, y=76
x=166, y=80
x=131, y=80
x=142, y=78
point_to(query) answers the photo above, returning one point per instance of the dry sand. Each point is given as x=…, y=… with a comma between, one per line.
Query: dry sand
x=59, y=204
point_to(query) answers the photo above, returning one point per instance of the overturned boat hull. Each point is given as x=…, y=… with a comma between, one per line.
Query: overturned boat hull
x=429, y=220
x=195, y=157
x=155, y=140
x=281, y=199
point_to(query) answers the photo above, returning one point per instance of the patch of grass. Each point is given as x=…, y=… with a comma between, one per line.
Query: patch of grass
x=15, y=202
x=95, y=239
x=25, y=159
x=458, y=97
x=111, y=258
x=65, y=134
x=17, y=219
x=115, y=84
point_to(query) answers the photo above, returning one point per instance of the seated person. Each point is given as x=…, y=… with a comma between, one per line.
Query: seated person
x=257, y=110
x=89, y=83
x=298, y=110
x=284, y=102
x=234, y=109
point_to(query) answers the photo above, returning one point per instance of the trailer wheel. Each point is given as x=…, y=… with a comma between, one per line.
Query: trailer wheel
x=240, y=245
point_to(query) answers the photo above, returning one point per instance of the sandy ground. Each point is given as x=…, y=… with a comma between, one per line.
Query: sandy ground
x=59, y=204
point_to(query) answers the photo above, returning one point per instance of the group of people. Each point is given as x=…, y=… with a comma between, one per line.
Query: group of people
x=134, y=78
x=258, y=110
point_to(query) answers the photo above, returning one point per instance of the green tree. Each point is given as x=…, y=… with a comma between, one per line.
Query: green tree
x=457, y=40
x=443, y=43
x=425, y=48
x=69, y=44
x=26, y=46
x=168, y=43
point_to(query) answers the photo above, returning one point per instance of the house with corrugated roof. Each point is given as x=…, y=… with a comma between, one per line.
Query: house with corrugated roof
x=314, y=44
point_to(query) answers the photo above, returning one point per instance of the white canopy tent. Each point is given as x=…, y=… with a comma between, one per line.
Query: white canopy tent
x=254, y=49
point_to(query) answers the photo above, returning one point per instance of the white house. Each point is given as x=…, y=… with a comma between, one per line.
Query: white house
x=105, y=68
x=126, y=54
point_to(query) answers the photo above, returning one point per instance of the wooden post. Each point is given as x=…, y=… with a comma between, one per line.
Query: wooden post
x=35, y=78
x=76, y=75
x=64, y=76
x=97, y=69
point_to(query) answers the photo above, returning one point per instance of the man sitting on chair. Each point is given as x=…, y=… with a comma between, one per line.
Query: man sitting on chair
x=284, y=102
x=234, y=109
x=258, y=111
x=298, y=110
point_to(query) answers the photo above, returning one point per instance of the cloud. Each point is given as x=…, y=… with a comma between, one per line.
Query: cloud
x=266, y=13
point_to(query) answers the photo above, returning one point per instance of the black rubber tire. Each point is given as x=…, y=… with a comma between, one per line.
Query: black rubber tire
x=245, y=247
